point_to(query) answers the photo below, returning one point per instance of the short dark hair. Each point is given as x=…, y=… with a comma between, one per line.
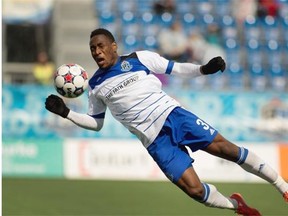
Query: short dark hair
x=102, y=31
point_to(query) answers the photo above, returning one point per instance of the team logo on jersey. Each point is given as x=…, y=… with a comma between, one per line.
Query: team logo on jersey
x=126, y=66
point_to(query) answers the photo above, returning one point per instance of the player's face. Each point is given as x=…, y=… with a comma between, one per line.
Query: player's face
x=103, y=51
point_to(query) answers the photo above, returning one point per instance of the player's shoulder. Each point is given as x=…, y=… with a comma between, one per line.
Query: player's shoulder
x=139, y=54
x=128, y=56
x=146, y=56
x=146, y=53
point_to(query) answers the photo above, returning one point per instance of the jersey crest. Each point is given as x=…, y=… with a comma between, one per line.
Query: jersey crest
x=126, y=66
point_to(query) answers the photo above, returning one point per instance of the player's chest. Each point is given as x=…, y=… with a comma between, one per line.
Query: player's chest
x=119, y=87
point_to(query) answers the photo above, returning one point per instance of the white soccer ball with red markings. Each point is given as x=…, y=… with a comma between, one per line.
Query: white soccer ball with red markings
x=70, y=80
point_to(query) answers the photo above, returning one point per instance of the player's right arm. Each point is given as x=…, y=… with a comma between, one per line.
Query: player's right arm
x=57, y=106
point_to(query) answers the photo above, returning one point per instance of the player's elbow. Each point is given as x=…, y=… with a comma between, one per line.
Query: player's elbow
x=99, y=124
x=98, y=128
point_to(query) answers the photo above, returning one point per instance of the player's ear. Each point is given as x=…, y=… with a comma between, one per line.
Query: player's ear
x=114, y=47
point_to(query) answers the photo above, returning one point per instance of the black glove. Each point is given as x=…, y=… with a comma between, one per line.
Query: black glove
x=213, y=66
x=56, y=105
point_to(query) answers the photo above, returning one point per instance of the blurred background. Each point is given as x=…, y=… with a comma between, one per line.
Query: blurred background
x=248, y=103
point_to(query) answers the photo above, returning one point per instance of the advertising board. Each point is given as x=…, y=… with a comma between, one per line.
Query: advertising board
x=30, y=157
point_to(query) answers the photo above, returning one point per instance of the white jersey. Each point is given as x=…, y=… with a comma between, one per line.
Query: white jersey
x=133, y=95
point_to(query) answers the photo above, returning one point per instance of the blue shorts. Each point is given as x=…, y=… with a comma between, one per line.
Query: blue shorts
x=181, y=129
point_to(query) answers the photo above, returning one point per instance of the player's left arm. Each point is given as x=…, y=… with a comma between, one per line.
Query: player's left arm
x=192, y=70
x=161, y=65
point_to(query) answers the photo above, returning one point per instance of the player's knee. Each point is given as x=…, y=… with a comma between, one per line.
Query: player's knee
x=196, y=193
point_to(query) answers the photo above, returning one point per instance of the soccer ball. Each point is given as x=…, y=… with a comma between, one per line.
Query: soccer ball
x=70, y=80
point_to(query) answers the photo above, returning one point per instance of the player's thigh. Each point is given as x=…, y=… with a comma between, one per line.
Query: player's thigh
x=223, y=148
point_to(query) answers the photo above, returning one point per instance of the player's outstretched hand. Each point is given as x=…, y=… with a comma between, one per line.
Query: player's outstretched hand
x=213, y=66
x=56, y=105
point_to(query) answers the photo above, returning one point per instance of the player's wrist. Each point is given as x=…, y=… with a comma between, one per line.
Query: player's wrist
x=205, y=70
x=201, y=70
x=65, y=112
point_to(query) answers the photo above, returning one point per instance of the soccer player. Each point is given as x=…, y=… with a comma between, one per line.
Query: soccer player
x=126, y=85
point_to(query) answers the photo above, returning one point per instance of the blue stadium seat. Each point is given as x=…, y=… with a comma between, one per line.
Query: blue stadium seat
x=144, y=6
x=232, y=51
x=252, y=28
x=106, y=16
x=166, y=19
x=184, y=6
x=222, y=7
x=204, y=7
x=126, y=5
x=274, y=52
x=235, y=75
x=204, y=20
x=129, y=24
x=277, y=78
x=229, y=28
x=271, y=28
x=128, y=17
x=258, y=77
x=149, y=25
x=188, y=21
x=254, y=54
x=284, y=24
x=130, y=29
x=130, y=44
x=149, y=42
x=285, y=48
x=147, y=18
x=151, y=30
x=227, y=20
x=103, y=5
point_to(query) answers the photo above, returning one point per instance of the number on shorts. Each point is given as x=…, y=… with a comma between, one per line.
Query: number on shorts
x=202, y=123
x=205, y=126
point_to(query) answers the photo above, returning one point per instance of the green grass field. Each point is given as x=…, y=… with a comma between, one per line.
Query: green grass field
x=24, y=196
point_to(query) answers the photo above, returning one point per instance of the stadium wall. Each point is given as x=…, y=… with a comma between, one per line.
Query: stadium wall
x=126, y=159
x=112, y=159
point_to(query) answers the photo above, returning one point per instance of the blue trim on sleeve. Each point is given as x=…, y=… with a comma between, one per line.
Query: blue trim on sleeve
x=101, y=115
x=169, y=67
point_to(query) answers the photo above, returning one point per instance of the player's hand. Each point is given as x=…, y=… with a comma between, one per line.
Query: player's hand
x=213, y=66
x=56, y=105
